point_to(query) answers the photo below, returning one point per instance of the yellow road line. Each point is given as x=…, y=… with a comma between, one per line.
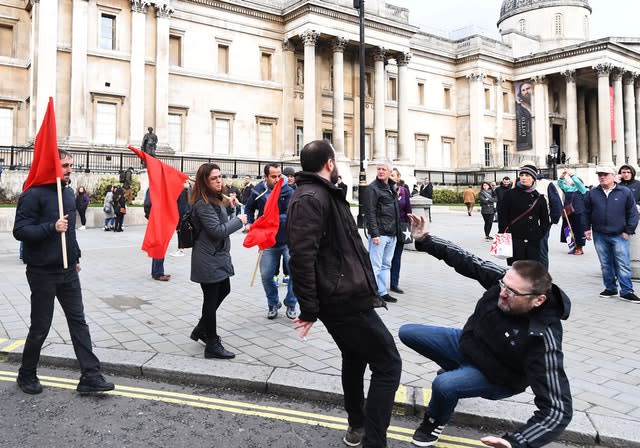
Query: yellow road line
x=14, y=345
x=242, y=408
x=3, y=340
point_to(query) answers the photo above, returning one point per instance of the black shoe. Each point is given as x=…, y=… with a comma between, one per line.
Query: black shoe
x=353, y=437
x=94, y=383
x=428, y=432
x=214, y=349
x=630, y=297
x=608, y=293
x=29, y=384
x=388, y=298
x=397, y=289
x=198, y=334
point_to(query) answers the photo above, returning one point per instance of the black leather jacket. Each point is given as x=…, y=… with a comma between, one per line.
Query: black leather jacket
x=381, y=209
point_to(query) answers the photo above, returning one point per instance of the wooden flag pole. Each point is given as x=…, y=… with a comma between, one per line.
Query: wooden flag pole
x=65, y=262
x=255, y=269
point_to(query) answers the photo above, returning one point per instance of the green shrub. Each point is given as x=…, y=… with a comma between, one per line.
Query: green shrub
x=97, y=195
x=442, y=196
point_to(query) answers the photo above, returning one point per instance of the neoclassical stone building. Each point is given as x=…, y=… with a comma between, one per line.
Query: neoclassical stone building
x=257, y=79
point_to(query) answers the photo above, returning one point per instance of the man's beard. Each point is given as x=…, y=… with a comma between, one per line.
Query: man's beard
x=334, y=175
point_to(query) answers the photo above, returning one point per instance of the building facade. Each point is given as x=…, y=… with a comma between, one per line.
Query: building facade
x=257, y=79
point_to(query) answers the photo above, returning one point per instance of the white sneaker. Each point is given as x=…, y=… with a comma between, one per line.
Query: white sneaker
x=82, y=228
x=178, y=253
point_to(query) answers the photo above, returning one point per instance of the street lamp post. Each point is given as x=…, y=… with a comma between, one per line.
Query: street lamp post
x=362, y=178
x=553, y=156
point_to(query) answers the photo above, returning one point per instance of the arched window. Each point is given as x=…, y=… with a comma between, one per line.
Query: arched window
x=557, y=25
x=523, y=25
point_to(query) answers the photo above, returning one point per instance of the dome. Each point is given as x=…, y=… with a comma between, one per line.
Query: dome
x=512, y=7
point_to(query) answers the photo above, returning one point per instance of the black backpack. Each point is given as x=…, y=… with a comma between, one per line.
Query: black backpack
x=187, y=231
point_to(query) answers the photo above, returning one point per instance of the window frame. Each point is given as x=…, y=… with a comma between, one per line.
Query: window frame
x=222, y=115
x=273, y=122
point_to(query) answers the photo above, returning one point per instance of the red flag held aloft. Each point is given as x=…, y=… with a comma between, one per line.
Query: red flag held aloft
x=45, y=167
x=263, y=231
x=165, y=185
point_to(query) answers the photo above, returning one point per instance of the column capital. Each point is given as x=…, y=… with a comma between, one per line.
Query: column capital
x=630, y=77
x=163, y=10
x=288, y=45
x=570, y=75
x=501, y=78
x=140, y=6
x=338, y=44
x=539, y=79
x=380, y=54
x=616, y=73
x=403, y=58
x=310, y=38
x=603, y=69
x=476, y=76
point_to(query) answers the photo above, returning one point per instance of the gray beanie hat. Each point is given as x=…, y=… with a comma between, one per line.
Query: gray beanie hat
x=531, y=170
x=289, y=171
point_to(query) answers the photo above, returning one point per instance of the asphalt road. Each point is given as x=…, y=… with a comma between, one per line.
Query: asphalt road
x=149, y=414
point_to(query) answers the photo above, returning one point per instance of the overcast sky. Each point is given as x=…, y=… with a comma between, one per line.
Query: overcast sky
x=608, y=17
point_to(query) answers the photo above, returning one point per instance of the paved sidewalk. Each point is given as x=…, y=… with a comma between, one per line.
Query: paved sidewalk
x=142, y=327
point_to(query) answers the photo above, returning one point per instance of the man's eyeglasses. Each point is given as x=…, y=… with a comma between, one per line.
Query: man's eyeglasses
x=67, y=165
x=513, y=293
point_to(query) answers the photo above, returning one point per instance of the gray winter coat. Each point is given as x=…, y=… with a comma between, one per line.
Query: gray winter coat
x=210, y=257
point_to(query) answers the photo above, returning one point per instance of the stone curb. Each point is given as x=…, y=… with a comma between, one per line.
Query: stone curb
x=585, y=429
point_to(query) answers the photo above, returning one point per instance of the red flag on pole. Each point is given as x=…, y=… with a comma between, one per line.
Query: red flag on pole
x=165, y=185
x=263, y=231
x=45, y=167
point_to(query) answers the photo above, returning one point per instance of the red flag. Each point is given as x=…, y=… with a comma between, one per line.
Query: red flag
x=263, y=231
x=46, y=161
x=165, y=185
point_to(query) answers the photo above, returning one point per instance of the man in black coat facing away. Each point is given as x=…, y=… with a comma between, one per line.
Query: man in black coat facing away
x=334, y=282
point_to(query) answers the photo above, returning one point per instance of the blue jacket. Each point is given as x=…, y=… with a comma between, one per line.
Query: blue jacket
x=611, y=215
x=36, y=215
x=257, y=200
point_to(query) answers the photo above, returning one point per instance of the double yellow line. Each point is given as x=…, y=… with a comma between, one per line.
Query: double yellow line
x=242, y=408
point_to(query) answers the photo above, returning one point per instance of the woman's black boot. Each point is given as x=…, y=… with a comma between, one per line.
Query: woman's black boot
x=214, y=349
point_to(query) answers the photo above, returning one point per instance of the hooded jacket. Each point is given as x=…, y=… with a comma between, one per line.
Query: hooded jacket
x=633, y=184
x=514, y=351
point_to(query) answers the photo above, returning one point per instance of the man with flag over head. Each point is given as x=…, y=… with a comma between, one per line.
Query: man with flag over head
x=45, y=230
x=271, y=253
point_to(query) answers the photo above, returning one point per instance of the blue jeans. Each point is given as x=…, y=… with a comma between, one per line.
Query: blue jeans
x=615, y=261
x=396, y=263
x=269, y=265
x=157, y=267
x=381, y=256
x=461, y=379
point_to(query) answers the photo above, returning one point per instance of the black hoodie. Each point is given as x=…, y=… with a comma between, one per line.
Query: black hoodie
x=633, y=184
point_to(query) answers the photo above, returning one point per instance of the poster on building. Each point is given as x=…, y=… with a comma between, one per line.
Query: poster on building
x=524, y=95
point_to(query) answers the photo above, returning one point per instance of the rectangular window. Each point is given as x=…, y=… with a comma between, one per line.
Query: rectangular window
x=327, y=135
x=392, y=146
x=447, y=150
x=265, y=138
x=421, y=93
x=222, y=136
x=223, y=58
x=107, y=32
x=175, y=132
x=446, y=98
x=265, y=65
x=175, y=50
x=487, y=99
x=505, y=155
x=487, y=153
x=6, y=126
x=6, y=41
x=106, y=123
x=421, y=151
x=392, y=89
x=506, y=104
x=368, y=84
x=299, y=139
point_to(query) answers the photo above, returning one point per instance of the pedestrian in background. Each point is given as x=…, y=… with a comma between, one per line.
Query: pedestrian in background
x=487, y=208
x=211, y=264
x=404, y=207
x=108, y=210
x=574, y=191
x=469, y=199
x=82, y=203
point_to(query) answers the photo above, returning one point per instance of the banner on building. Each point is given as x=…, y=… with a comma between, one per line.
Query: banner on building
x=524, y=101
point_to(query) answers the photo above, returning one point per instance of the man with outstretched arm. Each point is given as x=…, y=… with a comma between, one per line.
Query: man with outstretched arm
x=512, y=340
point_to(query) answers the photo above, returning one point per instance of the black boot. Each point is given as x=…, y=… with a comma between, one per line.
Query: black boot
x=214, y=349
x=199, y=333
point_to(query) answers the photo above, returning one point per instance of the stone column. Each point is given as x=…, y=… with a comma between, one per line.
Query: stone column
x=476, y=118
x=540, y=121
x=163, y=12
x=618, y=113
x=637, y=86
x=498, y=159
x=604, y=114
x=572, y=116
x=288, y=94
x=136, y=72
x=338, y=45
x=78, y=85
x=594, y=128
x=583, y=139
x=379, y=146
x=404, y=134
x=310, y=38
x=44, y=83
x=630, y=119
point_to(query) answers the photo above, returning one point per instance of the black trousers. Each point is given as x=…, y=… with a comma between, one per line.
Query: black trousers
x=488, y=223
x=364, y=339
x=66, y=287
x=213, y=295
x=83, y=216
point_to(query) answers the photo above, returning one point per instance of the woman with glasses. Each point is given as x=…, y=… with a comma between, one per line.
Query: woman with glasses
x=210, y=258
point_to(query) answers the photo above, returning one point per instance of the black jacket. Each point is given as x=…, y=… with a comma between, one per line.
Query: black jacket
x=515, y=351
x=329, y=265
x=633, y=184
x=36, y=216
x=381, y=209
x=533, y=225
